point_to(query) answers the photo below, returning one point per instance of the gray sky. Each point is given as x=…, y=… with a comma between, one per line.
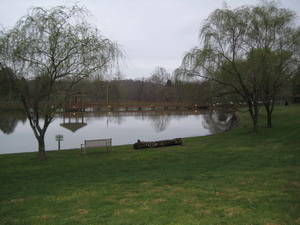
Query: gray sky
x=151, y=32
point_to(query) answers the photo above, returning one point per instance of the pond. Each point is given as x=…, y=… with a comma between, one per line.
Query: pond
x=17, y=136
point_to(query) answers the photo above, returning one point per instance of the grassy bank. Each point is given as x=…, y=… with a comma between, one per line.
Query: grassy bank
x=230, y=178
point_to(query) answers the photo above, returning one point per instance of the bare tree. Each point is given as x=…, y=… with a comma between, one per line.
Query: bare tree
x=159, y=76
x=49, y=51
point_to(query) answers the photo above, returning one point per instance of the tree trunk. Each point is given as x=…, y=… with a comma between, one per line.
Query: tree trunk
x=42, y=152
x=253, y=110
x=155, y=144
x=269, y=115
x=269, y=108
x=255, y=125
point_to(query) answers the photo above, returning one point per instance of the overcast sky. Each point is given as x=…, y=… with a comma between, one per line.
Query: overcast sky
x=151, y=32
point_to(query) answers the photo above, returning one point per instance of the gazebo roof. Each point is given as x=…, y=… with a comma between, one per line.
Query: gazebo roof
x=73, y=126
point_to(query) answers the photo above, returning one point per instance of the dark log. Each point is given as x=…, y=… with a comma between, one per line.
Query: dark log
x=155, y=144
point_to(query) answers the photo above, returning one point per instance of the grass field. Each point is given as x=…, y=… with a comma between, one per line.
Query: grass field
x=235, y=178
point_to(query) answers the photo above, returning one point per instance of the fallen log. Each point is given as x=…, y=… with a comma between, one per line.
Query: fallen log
x=156, y=144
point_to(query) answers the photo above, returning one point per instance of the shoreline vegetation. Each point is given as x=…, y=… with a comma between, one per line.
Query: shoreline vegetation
x=111, y=106
x=233, y=177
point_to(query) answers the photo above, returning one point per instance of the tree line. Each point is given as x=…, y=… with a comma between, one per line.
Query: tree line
x=165, y=89
x=169, y=89
x=118, y=89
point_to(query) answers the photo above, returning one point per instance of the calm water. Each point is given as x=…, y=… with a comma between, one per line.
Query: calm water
x=16, y=134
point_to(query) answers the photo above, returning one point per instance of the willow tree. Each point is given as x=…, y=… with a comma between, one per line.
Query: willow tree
x=49, y=51
x=250, y=51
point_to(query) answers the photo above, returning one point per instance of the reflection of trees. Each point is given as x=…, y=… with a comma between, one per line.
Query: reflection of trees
x=217, y=121
x=9, y=121
x=8, y=125
x=159, y=119
x=214, y=121
x=115, y=118
x=160, y=122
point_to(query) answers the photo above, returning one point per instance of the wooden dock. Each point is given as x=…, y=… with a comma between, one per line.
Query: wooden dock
x=91, y=106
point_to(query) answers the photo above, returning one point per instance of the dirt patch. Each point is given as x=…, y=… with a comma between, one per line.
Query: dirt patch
x=123, y=201
x=238, y=197
x=221, y=194
x=295, y=183
x=19, y=200
x=154, y=201
x=297, y=221
x=158, y=200
x=46, y=216
x=198, y=205
x=111, y=198
x=132, y=195
x=272, y=224
x=126, y=211
x=233, y=211
x=204, y=212
x=246, y=181
x=82, y=211
x=231, y=189
x=178, y=189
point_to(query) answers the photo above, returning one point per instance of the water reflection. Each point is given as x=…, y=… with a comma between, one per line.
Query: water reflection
x=160, y=120
x=9, y=121
x=122, y=127
x=214, y=121
x=217, y=121
x=116, y=118
x=160, y=123
x=73, y=121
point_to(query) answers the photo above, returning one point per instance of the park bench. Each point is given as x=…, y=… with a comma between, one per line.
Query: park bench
x=96, y=143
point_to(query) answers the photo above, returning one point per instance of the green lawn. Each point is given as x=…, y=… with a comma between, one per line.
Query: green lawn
x=235, y=178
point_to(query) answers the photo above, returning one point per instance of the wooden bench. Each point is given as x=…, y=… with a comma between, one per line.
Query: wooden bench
x=96, y=143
